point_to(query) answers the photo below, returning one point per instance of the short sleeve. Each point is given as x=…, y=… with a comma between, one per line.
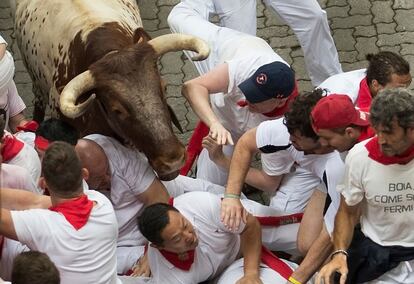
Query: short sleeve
x=16, y=104
x=137, y=172
x=351, y=186
x=32, y=227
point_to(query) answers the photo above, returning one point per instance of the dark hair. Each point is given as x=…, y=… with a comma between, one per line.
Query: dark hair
x=392, y=104
x=62, y=169
x=33, y=267
x=153, y=220
x=383, y=64
x=298, y=117
x=57, y=130
x=2, y=126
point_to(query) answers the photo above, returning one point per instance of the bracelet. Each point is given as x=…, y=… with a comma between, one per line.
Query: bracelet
x=339, y=251
x=293, y=280
x=231, y=195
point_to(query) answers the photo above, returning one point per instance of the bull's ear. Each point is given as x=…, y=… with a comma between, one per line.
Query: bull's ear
x=174, y=119
x=140, y=36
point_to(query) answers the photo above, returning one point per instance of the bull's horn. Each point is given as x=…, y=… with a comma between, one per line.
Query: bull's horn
x=73, y=90
x=177, y=42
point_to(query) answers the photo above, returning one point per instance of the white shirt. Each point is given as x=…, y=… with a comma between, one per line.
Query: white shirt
x=86, y=255
x=131, y=175
x=244, y=54
x=12, y=176
x=346, y=83
x=284, y=159
x=387, y=196
x=217, y=248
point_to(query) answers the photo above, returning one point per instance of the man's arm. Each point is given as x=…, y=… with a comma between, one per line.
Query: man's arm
x=316, y=256
x=18, y=199
x=254, y=177
x=232, y=211
x=198, y=90
x=17, y=120
x=250, y=246
x=345, y=221
x=155, y=193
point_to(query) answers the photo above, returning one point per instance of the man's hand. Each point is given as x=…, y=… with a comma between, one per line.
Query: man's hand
x=141, y=268
x=250, y=279
x=337, y=264
x=232, y=213
x=220, y=134
x=215, y=150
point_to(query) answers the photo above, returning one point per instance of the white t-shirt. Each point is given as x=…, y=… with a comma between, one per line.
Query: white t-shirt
x=346, y=83
x=131, y=175
x=27, y=158
x=244, y=54
x=279, y=156
x=86, y=255
x=217, y=248
x=12, y=176
x=387, y=196
x=335, y=168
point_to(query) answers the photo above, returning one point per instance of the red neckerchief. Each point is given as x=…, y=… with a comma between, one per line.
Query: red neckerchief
x=41, y=143
x=11, y=147
x=364, y=95
x=30, y=126
x=367, y=132
x=279, y=111
x=76, y=211
x=374, y=152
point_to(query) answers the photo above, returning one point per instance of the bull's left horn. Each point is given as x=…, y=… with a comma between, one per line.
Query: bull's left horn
x=73, y=90
x=177, y=42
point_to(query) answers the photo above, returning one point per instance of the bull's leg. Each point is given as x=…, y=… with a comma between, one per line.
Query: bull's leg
x=40, y=103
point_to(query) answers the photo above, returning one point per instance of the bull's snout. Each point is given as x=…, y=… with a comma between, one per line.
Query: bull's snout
x=168, y=167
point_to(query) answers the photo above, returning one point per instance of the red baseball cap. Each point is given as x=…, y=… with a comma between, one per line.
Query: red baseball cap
x=336, y=111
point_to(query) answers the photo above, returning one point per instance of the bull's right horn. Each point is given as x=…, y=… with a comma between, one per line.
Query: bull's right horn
x=73, y=90
x=177, y=42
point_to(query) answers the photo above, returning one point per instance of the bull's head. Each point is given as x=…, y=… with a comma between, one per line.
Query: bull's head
x=130, y=94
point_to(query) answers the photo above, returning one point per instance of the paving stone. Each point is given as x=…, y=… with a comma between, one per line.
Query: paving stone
x=382, y=11
x=289, y=41
x=351, y=21
x=171, y=63
x=336, y=11
x=341, y=3
x=159, y=32
x=395, y=39
x=148, y=9
x=6, y=23
x=360, y=7
x=305, y=86
x=173, y=79
x=272, y=19
x=151, y=25
x=168, y=2
x=298, y=66
x=405, y=20
x=348, y=56
x=354, y=66
x=6, y=34
x=192, y=120
x=395, y=49
x=4, y=4
x=344, y=40
x=366, y=31
x=164, y=11
x=178, y=106
x=407, y=49
x=22, y=78
x=274, y=31
x=5, y=13
x=260, y=9
x=261, y=23
x=386, y=28
x=366, y=45
x=285, y=53
x=403, y=4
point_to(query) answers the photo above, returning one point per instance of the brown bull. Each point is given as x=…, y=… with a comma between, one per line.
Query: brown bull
x=92, y=62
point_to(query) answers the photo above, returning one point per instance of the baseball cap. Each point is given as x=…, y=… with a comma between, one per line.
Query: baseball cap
x=273, y=80
x=336, y=111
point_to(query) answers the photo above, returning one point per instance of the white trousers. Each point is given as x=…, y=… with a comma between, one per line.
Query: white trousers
x=305, y=17
x=268, y=276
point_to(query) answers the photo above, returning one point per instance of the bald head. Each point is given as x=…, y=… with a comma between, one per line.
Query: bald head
x=94, y=159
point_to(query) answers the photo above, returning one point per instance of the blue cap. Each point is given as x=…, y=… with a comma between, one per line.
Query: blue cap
x=273, y=80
